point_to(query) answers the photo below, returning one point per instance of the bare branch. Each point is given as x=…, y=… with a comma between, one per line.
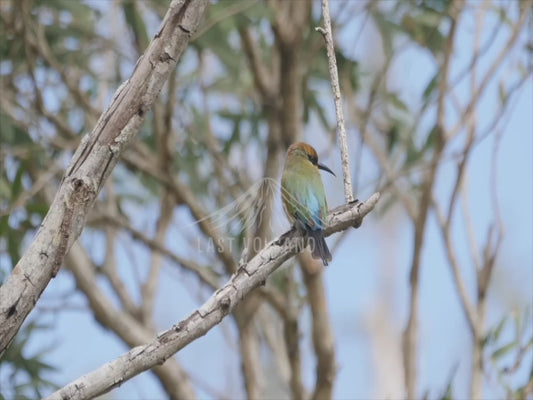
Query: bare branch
x=388, y=169
x=203, y=273
x=291, y=333
x=172, y=376
x=261, y=73
x=467, y=306
x=149, y=287
x=91, y=165
x=145, y=161
x=332, y=62
x=109, y=269
x=229, y=11
x=219, y=305
x=467, y=113
x=249, y=346
x=323, y=340
x=410, y=335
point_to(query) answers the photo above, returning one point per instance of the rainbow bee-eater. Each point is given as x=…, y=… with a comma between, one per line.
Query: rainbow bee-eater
x=304, y=198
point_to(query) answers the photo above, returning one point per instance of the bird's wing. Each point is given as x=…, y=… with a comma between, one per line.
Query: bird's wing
x=307, y=206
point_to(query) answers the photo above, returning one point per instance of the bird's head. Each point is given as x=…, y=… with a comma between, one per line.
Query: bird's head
x=307, y=153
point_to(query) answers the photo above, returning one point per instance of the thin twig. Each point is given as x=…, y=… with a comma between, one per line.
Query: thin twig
x=205, y=275
x=502, y=56
x=468, y=308
x=150, y=285
x=332, y=63
x=410, y=335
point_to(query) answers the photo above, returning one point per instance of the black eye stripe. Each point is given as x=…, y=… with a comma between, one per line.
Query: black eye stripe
x=313, y=159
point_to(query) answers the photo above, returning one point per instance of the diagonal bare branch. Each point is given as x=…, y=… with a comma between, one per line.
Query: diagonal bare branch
x=218, y=306
x=171, y=375
x=92, y=163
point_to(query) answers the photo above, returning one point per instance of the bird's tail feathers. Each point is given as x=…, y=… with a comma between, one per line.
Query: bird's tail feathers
x=319, y=246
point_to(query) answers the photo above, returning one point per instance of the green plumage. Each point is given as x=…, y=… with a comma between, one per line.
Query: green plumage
x=304, y=197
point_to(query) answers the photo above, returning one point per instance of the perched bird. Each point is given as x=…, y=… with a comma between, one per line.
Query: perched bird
x=304, y=198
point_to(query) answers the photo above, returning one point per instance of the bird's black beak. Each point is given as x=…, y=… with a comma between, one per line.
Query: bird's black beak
x=322, y=166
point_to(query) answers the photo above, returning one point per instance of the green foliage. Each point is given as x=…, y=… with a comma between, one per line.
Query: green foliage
x=23, y=376
x=11, y=133
x=430, y=88
x=348, y=70
x=65, y=32
x=136, y=23
x=423, y=29
x=312, y=104
x=387, y=29
x=72, y=26
x=508, y=347
x=447, y=393
x=15, y=176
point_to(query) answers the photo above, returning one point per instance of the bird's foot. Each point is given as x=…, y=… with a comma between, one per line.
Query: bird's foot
x=283, y=238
